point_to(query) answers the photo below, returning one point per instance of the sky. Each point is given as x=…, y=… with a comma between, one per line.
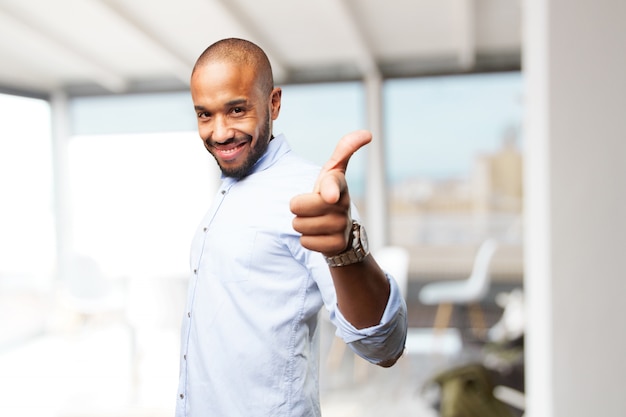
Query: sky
x=436, y=126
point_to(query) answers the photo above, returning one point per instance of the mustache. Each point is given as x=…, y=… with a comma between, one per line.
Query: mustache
x=233, y=141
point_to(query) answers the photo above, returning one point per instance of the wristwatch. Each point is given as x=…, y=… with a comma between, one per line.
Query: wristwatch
x=357, y=250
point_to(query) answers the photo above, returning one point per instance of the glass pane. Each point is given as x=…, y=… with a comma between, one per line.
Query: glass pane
x=137, y=200
x=454, y=152
x=27, y=244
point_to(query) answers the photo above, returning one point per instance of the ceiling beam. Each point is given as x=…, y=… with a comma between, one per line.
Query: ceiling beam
x=101, y=73
x=30, y=93
x=366, y=61
x=467, y=34
x=181, y=66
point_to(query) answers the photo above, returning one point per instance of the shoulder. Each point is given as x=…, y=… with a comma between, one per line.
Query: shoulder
x=291, y=172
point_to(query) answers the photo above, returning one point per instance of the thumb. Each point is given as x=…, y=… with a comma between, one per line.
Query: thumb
x=346, y=147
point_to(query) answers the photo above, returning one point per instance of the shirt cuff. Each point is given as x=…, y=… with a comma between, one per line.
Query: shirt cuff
x=394, y=311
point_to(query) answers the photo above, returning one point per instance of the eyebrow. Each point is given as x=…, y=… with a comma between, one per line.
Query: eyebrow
x=235, y=102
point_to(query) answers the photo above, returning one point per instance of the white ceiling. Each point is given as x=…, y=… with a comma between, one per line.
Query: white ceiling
x=117, y=46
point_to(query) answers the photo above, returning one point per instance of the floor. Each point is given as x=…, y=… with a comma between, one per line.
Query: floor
x=355, y=388
x=85, y=371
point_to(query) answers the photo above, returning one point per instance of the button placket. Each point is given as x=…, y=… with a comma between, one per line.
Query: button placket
x=205, y=230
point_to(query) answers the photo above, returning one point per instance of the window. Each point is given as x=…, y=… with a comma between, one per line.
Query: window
x=138, y=198
x=315, y=117
x=27, y=241
x=454, y=157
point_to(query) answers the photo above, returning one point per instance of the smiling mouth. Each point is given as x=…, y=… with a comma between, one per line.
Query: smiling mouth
x=229, y=152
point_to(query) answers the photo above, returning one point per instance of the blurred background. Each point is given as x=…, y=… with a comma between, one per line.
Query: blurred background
x=481, y=166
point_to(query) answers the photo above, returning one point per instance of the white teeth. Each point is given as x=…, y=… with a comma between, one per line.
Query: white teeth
x=228, y=151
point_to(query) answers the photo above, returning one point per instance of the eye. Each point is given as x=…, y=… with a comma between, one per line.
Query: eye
x=203, y=115
x=238, y=110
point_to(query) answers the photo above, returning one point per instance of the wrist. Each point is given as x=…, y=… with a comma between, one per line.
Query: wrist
x=356, y=250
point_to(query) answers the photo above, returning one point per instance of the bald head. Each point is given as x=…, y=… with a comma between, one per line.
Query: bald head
x=240, y=52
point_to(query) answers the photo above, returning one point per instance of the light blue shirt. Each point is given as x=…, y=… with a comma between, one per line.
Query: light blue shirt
x=250, y=336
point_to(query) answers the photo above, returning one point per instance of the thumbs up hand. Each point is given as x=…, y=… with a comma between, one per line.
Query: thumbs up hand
x=323, y=216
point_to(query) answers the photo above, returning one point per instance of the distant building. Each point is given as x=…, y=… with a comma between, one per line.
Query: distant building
x=497, y=179
x=488, y=202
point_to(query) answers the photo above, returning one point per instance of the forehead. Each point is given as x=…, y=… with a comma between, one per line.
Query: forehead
x=221, y=80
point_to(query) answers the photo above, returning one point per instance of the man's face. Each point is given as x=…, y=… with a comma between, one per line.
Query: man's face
x=234, y=115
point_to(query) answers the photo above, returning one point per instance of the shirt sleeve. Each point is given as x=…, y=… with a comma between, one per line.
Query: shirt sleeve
x=380, y=343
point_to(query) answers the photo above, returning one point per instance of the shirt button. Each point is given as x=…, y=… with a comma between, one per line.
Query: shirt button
x=185, y=357
x=223, y=192
x=189, y=314
x=195, y=271
x=205, y=229
x=182, y=396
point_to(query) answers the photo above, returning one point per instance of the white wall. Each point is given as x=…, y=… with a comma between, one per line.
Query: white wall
x=575, y=69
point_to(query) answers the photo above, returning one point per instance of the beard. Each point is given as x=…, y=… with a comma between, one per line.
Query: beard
x=257, y=150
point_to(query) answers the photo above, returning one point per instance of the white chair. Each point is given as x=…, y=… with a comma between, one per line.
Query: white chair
x=470, y=291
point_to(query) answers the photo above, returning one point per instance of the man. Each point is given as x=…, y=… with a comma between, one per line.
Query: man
x=278, y=243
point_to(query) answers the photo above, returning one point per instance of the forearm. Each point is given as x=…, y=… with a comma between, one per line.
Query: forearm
x=383, y=343
x=362, y=292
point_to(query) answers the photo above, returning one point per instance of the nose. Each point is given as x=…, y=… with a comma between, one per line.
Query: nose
x=221, y=130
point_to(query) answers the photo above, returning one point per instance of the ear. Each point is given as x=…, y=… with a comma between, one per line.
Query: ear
x=275, y=102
